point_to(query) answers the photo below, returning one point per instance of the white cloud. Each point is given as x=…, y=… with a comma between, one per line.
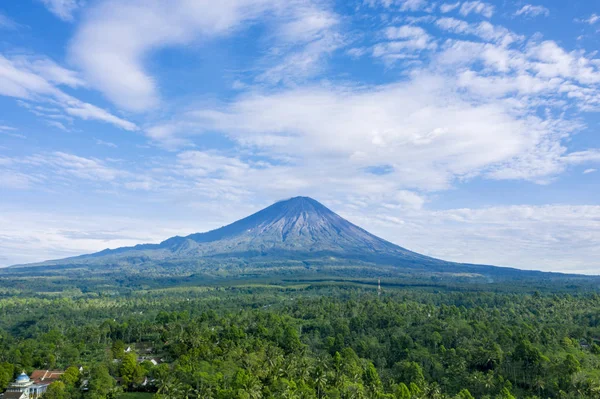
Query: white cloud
x=404, y=42
x=87, y=111
x=402, y=5
x=476, y=7
x=483, y=30
x=453, y=25
x=551, y=60
x=14, y=180
x=49, y=70
x=424, y=129
x=548, y=237
x=27, y=236
x=447, y=7
x=63, y=9
x=532, y=11
x=116, y=37
x=34, y=80
x=7, y=23
x=588, y=171
x=72, y=166
x=405, y=32
x=106, y=143
x=592, y=20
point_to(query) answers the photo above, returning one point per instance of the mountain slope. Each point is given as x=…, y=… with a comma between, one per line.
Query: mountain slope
x=286, y=237
x=296, y=228
x=299, y=228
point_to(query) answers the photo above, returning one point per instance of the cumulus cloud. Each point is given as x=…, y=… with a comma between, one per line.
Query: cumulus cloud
x=427, y=132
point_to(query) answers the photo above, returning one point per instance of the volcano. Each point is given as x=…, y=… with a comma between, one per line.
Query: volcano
x=296, y=231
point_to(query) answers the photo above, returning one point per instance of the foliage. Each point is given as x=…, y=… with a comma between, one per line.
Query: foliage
x=311, y=341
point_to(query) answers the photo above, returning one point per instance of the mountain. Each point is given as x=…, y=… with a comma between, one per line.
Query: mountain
x=298, y=232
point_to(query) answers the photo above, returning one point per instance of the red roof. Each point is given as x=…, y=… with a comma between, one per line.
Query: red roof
x=45, y=376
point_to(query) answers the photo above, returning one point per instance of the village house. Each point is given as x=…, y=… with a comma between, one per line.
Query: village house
x=32, y=387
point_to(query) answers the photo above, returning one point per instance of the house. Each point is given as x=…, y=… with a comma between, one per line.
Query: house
x=46, y=376
x=14, y=395
x=33, y=387
x=155, y=361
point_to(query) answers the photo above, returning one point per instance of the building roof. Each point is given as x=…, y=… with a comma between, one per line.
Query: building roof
x=13, y=395
x=22, y=378
x=46, y=376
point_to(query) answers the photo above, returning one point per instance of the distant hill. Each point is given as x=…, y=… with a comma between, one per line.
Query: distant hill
x=299, y=232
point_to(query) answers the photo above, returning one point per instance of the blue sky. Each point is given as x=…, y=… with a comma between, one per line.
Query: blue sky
x=464, y=130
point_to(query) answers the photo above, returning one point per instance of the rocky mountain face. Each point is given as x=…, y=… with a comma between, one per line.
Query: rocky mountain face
x=299, y=224
x=295, y=228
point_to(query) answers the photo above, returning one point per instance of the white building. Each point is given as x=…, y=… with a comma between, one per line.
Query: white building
x=31, y=388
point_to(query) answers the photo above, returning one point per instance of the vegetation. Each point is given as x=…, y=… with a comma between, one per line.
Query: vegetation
x=302, y=340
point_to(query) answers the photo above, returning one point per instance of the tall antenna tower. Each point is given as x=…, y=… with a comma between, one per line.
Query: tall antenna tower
x=378, y=287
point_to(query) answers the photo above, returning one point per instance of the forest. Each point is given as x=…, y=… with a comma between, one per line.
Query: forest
x=306, y=340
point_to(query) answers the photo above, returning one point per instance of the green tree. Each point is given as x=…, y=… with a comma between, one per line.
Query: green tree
x=117, y=349
x=409, y=373
x=371, y=378
x=401, y=391
x=101, y=383
x=7, y=371
x=71, y=376
x=464, y=394
x=130, y=371
x=57, y=390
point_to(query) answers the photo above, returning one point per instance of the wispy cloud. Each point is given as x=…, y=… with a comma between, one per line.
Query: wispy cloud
x=476, y=7
x=63, y=9
x=7, y=23
x=106, y=143
x=591, y=20
x=447, y=7
x=115, y=38
x=37, y=81
x=532, y=11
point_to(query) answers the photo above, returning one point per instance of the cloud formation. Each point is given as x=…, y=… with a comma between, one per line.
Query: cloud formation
x=115, y=38
x=532, y=11
x=380, y=110
x=37, y=81
x=63, y=9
